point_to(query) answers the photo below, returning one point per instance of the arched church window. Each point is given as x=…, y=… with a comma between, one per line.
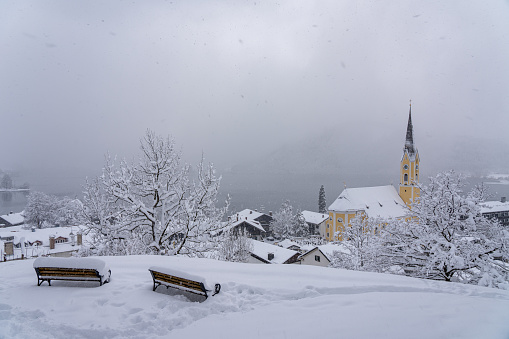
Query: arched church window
x=405, y=167
x=406, y=177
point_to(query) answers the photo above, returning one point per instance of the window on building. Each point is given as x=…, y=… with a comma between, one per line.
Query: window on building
x=340, y=219
x=405, y=177
x=317, y=258
x=405, y=167
x=327, y=234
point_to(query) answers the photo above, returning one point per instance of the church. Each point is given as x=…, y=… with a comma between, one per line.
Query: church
x=378, y=201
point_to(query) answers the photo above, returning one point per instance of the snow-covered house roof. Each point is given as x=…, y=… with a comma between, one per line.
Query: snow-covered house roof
x=282, y=255
x=41, y=237
x=251, y=222
x=314, y=218
x=248, y=214
x=13, y=219
x=494, y=206
x=378, y=201
x=287, y=243
x=327, y=249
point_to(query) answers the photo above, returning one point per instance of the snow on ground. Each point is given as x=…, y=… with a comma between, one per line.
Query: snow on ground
x=256, y=301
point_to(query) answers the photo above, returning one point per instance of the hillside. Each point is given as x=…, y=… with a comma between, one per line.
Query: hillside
x=256, y=301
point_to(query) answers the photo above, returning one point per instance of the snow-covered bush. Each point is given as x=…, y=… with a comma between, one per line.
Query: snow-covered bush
x=234, y=245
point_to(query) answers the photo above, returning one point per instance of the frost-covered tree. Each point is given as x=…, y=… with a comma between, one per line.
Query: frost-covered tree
x=364, y=245
x=445, y=236
x=322, y=204
x=153, y=206
x=282, y=221
x=40, y=210
x=235, y=245
x=66, y=211
x=287, y=224
x=300, y=226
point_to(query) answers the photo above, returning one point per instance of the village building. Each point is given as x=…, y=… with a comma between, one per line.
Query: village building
x=254, y=223
x=496, y=210
x=316, y=222
x=12, y=219
x=265, y=253
x=380, y=201
x=17, y=242
x=314, y=257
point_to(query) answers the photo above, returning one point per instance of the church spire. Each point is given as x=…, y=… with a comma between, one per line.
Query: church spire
x=409, y=142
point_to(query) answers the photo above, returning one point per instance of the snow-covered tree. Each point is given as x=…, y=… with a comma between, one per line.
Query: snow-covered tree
x=153, y=206
x=39, y=211
x=322, y=204
x=235, y=246
x=287, y=224
x=445, y=236
x=364, y=244
x=282, y=221
x=300, y=226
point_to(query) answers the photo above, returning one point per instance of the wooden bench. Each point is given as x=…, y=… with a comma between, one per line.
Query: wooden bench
x=75, y=269
x=181, y=281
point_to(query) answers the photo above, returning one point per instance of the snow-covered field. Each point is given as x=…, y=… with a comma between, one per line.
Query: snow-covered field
x=256, y=301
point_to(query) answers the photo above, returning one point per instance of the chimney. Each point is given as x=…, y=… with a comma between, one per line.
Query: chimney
x=503, y=199
x=73, y=242
x=270, y=213
x=250, y=212
x=79, y=241
x=51, y=242
x=270, y=256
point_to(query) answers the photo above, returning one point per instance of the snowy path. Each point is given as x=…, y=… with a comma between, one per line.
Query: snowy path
x=269, y=301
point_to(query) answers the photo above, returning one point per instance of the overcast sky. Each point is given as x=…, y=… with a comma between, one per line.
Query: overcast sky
x=240, y=79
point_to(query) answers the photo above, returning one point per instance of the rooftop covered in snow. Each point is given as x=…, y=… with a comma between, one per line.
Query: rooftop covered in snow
x=314, y=217
x=494, y=206
x=378, y=201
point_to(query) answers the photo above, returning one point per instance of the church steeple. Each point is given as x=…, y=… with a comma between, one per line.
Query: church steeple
x=409, y=142
x=409, y=167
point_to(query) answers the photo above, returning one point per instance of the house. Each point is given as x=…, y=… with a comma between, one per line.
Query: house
x=496, y=209
x=317, y=222
x=379, y=201
x=26, y=243
x=320, y=255
x=314, y=257
x=265, y=253
x=255, y=223
x=12, y=219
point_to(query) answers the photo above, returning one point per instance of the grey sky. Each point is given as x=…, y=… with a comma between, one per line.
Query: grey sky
x=241, y=79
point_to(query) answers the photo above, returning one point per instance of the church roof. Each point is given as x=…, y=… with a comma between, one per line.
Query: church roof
x=378, y=201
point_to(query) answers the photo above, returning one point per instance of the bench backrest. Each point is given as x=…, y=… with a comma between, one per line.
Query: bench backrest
x=66, y=272
x=179, y=282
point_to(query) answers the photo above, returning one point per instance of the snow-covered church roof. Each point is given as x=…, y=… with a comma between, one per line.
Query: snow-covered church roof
x=378, y=201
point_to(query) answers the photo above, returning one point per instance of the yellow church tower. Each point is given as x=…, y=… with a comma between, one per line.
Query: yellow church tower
x=409, y=167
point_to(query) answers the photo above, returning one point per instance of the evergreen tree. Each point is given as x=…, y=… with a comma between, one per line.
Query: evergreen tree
x=322, y=204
